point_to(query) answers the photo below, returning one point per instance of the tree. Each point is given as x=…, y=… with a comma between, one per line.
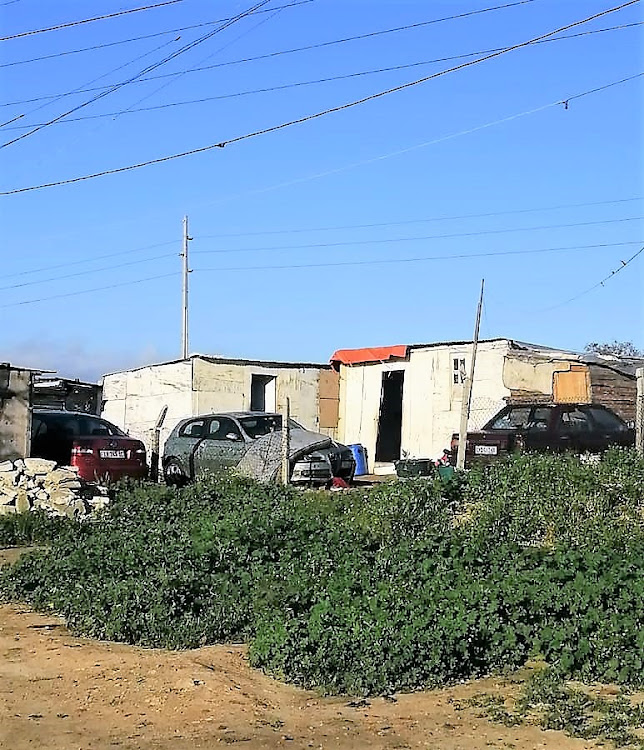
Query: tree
x=618, y=348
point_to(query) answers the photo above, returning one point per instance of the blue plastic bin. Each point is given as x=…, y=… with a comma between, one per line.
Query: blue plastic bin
x=360, y=456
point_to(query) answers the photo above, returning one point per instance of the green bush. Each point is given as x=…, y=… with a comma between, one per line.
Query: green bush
x=31, y=527
x=408, y=584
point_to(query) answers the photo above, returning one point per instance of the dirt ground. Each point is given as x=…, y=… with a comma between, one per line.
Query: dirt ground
x=61, y=692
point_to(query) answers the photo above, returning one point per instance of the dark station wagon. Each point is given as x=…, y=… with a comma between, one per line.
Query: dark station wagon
x=580, y=428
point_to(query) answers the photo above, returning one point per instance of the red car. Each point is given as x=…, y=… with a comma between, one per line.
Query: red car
x=99, y=449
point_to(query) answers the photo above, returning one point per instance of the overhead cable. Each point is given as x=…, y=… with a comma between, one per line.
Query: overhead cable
x=149, y=68
x=380, y=224
x=88, y=291
x=88, y=20
x=389, y=261
x=205, y=99
x=316, y=115
x=389, y=240
x=178, y=30
x=200, y=69
x=320, y=44
x=322, y=265
x=82, y=261
x=68, y=275
x=592, y=288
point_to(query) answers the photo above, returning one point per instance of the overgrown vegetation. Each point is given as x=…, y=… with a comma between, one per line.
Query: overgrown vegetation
x=31, y=527
x=406, y=585
x=548, y=701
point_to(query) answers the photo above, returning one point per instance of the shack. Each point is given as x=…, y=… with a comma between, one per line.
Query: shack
x=148, y=401
x=406, y=400
x=15, y=411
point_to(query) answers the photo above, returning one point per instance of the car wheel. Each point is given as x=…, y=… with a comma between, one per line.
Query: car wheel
x=173, y=473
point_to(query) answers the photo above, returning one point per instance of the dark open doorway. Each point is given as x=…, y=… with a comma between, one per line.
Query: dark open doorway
x=262, y=393
x=390, y=421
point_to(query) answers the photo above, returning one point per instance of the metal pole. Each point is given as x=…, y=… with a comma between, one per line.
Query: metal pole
x=286, y=474
x=467, y=389
x=639, y=413
x=184, y=306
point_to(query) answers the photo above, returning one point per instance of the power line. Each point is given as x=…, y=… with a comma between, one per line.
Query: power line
x=202, y=100
x=316, y=115
x=316, y=229
x=623, y=265
x=425, y=220
x=405, y=66
x=311, y=46
x=104, y=75
x=88, y=20
x=259, y=23
x=139, y=38
x=321, y=265
x=86, y=260
x=200, y=69
x=89, y=271
x=389, y=261
x=387, y=241
x=148, y=69
x=88, y=291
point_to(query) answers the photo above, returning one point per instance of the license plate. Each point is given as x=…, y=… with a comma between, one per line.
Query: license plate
x=485, y=450
x=111, y=454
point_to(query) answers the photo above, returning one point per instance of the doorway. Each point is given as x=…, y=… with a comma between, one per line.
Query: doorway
x=262, y=393
x=390, y=420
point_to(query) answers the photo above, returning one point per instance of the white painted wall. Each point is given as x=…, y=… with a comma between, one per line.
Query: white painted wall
x=133, y=399
x=431, y=401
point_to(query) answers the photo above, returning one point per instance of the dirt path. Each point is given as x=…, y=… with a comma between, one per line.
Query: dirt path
x=65, y=693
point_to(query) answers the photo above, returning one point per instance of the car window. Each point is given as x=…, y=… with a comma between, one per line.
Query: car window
x=194, y=429
x=256, y=427
x=523, y=418
x=98, y=427
x=574, y=422
x=606, y=420
x=221, y=427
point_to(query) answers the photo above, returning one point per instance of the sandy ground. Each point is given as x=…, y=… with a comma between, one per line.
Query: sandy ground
x=61, y=692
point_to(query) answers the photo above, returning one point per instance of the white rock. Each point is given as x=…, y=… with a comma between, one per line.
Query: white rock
x=8, y=495
x=6, y=466
x=36, y=466
x=5, y=510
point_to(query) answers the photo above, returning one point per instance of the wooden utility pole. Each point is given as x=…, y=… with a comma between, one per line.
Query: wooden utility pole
x=467, y=389
x=286, y=473
x=184, y=305
x=639, y=413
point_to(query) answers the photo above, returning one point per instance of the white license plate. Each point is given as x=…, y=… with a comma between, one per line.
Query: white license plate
x=111, y=454
x=485, y=450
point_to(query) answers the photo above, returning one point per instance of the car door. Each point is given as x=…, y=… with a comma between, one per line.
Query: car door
x=188, y=438
x=222, y=446
x=608, y=428
x=575, y=429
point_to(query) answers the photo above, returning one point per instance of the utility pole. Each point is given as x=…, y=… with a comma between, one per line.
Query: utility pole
x=467, y=389
x=184, y=310
x=286, y=442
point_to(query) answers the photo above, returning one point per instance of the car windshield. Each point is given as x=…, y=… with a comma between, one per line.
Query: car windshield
x=263, y=424
x=522, y=418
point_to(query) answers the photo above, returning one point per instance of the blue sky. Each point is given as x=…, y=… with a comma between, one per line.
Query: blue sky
x=405, y=162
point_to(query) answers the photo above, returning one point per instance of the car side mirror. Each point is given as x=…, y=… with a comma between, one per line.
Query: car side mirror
x=232, y=436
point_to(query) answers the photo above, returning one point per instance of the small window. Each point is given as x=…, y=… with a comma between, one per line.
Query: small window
x=193, y=429
x=221, y=427
x=574, y=422
x=606, y=420
x=525, y=418
x=458, y=370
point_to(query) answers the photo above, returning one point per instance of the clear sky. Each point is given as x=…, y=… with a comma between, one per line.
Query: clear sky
x=422, y=164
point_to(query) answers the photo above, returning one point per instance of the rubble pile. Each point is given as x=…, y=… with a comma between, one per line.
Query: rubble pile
x=38, y=484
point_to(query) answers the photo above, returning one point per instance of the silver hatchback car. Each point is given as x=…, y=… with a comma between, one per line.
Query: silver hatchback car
x=211, y=442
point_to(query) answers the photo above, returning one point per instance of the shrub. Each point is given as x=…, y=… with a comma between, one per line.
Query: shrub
x=397, y=587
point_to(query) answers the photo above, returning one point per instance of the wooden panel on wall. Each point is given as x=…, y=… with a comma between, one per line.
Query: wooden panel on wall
x=572, y=386
x=329, y=384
